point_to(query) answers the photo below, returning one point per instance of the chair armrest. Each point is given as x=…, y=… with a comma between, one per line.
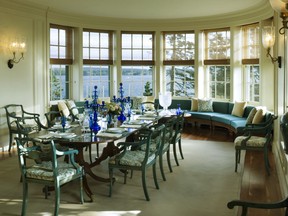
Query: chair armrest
x=68, y=152
x=32, y=114
x=245, y=205
x=133, y=145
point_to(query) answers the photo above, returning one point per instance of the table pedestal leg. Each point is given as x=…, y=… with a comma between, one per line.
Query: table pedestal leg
x=108, y=151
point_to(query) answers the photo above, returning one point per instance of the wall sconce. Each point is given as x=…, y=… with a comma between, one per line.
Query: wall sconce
x=281, y=6
x=16, y=47
x=268, y=40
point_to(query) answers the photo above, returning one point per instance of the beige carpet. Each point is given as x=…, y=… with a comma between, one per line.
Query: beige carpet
x=201, y=186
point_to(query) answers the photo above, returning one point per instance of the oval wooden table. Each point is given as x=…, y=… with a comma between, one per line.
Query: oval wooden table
x=82, y=140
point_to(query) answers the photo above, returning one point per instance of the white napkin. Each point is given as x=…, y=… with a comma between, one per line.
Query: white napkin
x=131, y=126
x=112, y=135
x=146, y=117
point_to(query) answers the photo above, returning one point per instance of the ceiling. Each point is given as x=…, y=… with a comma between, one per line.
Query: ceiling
x=147, y=9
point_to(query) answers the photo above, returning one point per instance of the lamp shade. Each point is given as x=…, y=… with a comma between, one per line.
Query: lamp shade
x=268, y=36
x=279, y=5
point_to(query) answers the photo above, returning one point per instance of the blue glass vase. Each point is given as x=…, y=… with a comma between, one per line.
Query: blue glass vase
x=178, y=111
x=121, y=117
x=94, y=126
x=63, y=122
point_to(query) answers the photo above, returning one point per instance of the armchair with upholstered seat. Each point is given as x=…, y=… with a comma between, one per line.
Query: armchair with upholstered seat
x=27, y=121
x=256, y=137
x=137, y=155
x=51, y=173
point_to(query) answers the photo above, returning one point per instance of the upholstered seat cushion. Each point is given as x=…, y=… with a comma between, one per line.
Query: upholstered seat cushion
x=44, y=171
x=254, y=141
x=133, y=158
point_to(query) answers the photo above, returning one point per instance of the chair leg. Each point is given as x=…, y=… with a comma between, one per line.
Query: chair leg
x=57, y=199
x=10, y=141
x=266, y=161
x=237, y=159
x=155, y=176
x=25, y=196
x=144, y=184
x=168, y=160
x=175, y=154
x=161, y=167
x=180, y=148
x=81, y=190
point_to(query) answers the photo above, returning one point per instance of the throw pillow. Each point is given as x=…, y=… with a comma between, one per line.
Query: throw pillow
x=251, y=116
x=136, y=102
x=72, y=107
x=62, y=107
x=259, y=116
x=149, y=99
x=205, y=105
x=194, y=104
x=238, y=108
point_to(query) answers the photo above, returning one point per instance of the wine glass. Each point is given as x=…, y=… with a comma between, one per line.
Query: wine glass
x=165, y=100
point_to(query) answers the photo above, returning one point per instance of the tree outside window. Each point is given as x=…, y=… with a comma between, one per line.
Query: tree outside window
x=60, y=61
x=179, y=53
x=218, y=63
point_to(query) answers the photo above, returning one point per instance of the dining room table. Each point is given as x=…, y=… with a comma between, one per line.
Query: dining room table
x=76, y=137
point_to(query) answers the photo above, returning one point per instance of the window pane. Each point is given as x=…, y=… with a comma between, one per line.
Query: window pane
x=62, y=37
x=179, y=46
x=97, y=44
x=137, y=41
x=218, y=45
x=85, y=39
x=126, y=40
x=94, y=39
x=137, y=47
x=219, y=79
x=62, y=52
x=252, y=90
x=53, y=36
x=96, y=75
x=53, y=52
x=134, y=79
x=104, y=40
x=180, y=80
x=59, y=82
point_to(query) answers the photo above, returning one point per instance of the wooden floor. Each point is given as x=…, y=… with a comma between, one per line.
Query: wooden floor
x=256, y=185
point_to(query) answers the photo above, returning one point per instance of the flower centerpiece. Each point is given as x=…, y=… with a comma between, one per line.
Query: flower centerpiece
x=113, y=109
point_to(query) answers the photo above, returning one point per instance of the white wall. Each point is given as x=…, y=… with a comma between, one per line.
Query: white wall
x=25, y=82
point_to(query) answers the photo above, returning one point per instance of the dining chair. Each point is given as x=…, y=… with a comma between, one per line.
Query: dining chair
x=50, y=173
x=137, y=155
x=176, y=136
x=27, y=121
x=51, y=118
x=256, y=137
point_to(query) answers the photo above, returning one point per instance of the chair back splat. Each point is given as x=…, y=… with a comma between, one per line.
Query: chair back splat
x=138, y=155
x=20, y=122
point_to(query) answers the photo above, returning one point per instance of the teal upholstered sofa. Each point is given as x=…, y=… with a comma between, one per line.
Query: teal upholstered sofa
x=221, y=115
